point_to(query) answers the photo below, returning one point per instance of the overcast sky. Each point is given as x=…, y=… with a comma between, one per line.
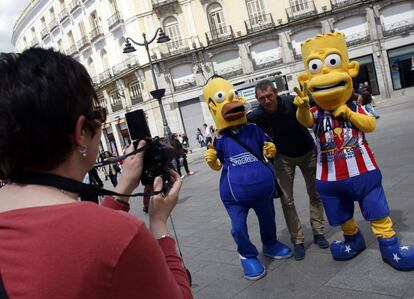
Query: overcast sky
x=9, y=12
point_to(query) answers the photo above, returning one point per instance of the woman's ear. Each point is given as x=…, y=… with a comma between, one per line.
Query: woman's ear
x=80, y=133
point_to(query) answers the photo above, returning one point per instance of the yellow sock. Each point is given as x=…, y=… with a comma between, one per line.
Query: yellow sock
x=350, y=227
x=382, y=228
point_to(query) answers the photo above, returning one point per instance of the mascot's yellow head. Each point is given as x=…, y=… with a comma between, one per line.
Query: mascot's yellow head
x=225, y=104
x=329, y=72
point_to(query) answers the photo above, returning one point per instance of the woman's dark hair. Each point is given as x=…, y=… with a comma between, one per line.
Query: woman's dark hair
x=42, y=94
x=366, y=97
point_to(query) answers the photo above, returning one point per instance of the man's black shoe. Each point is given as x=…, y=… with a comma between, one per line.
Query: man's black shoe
x=321, y=241
x=299, y=252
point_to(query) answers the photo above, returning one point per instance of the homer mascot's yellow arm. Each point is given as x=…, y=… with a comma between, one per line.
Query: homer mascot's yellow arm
x=247, y=181
x=346, y=167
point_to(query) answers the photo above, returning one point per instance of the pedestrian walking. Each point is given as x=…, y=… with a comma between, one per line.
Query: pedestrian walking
x=180, y=156
x=200, y=138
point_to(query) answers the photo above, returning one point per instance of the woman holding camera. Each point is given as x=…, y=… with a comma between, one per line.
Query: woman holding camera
x=52, y=245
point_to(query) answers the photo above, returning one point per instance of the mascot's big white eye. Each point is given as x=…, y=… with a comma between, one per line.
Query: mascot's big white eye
x=333, y=60
x=315, y=65
x=235, y=93
x=219, y=96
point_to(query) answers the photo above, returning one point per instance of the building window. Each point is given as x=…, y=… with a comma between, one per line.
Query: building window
x=367, y=73
x=298, y=5
x=401, y=61
x=102, y=101
x=71, y=39
x=116, y=101
x=172, y=29
x=135, y=90
x=255, y=8
x=216, y=18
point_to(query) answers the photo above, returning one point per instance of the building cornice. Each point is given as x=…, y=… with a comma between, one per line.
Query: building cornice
x=25, y=17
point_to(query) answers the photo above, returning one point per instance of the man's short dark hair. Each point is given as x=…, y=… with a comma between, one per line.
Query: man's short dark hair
x=263, y=85
x=42, y=94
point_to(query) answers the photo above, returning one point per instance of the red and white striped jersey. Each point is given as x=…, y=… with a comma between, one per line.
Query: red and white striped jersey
x=343, y=151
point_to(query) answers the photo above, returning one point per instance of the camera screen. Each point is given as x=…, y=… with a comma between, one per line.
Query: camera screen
x=137, y=125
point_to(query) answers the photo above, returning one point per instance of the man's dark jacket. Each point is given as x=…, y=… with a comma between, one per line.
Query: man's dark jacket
x=290, y=137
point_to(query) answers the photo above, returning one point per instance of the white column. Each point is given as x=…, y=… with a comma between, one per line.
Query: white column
x=190, y=20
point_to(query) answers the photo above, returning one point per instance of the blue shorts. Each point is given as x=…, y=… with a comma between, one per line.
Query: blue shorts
x=338, y=197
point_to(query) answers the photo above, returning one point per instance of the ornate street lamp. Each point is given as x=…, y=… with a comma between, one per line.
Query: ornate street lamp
x=157, y=93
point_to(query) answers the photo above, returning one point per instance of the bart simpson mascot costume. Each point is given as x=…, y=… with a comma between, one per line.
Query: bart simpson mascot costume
x=246, y=183
x=346, y=168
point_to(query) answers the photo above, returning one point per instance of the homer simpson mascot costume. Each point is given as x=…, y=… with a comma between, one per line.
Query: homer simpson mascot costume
x=246, y=183
x=346, y=168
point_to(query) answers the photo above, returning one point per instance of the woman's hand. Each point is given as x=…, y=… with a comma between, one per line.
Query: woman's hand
x=161, y=205
x=132, y=171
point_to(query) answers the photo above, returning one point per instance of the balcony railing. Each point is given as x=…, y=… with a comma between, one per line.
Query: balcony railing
x=74, y=5
x=95, y=80
x=336, y=4
x=182, y=84
x=114, y=20
x=95, y=33
x=136, y=99
x=399, y=27
x=301, y=10
x=175, y=47
x=53, y=24
x=72, y=50
x=116, y=107
x=83, y=43
x=259, y=22
x=44, y=33
x=219, y=35
x=357, y=38
x=124, y=65
x=104, y=76
x=266, y=62
x=63, y=14
x=160, y=3
x=231, y=71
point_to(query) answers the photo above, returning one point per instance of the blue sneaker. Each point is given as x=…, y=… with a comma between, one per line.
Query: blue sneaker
x=399, y=257
x=277, y=251
x=349, y=248
x=253, y=268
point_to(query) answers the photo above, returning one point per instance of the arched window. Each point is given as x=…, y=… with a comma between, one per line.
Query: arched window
x=172, y=29
x=135, y=90
x=216, y=19
x=104, y=59
x=106, y=73
x=91, y=67
x=255, y=8
x=299, y=37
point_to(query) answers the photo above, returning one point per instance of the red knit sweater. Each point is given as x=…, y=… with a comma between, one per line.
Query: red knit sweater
x=82, y=250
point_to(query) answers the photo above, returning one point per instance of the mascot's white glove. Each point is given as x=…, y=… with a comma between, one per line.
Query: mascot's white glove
x=211, y=157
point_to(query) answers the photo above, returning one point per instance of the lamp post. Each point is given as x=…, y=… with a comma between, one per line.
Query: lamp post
x=157, y=93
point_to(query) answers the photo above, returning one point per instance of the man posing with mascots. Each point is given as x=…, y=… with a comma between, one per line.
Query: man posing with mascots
x=346, y=168
x=247, y=179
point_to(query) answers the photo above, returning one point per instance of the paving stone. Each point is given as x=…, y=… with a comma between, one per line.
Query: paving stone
x=367, y=272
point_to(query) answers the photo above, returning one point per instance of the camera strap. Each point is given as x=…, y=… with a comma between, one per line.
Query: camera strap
x=120, y=158
x=74, y=186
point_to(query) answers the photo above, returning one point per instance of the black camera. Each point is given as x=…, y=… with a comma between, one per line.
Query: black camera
x=158, y=156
